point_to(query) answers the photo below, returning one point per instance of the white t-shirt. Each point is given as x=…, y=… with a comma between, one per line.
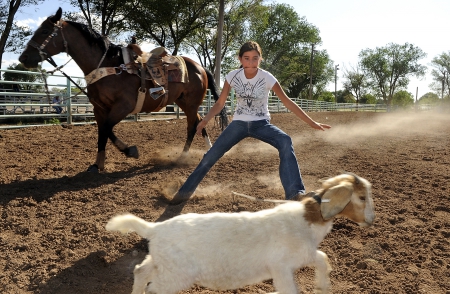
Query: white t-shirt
x=251, y=94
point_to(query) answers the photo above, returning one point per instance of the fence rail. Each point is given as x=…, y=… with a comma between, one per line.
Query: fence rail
x=21, y=100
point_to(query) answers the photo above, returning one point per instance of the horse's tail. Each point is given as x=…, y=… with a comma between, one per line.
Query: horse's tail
x=212, y=86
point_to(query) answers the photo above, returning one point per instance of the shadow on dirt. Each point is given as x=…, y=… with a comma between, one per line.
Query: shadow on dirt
x=42, y=189
x=95, y=274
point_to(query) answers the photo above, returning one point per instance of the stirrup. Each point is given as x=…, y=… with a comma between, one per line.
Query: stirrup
x=155, y=93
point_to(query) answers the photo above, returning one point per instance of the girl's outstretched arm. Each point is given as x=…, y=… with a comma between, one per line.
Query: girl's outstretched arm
x=296, y=109
x=217, y=107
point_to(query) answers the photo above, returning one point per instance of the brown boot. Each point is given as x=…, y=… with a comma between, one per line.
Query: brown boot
x=300, y=196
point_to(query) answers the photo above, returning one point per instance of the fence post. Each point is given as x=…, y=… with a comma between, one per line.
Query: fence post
x=69, y=104
x=208, y=94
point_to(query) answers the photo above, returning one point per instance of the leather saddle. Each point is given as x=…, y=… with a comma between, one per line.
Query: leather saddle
x=157, y=65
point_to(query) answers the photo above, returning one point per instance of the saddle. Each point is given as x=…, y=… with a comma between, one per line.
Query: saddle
x=158, y=66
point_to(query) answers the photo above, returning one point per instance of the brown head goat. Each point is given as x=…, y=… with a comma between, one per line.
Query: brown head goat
x=224, y=251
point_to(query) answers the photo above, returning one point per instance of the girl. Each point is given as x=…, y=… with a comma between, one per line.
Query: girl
x=251, y=119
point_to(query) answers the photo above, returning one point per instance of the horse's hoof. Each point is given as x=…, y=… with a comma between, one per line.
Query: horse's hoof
x=132, y=152
x=93, y=169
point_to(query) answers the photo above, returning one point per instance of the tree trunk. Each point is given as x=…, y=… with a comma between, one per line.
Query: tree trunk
x=13, y=8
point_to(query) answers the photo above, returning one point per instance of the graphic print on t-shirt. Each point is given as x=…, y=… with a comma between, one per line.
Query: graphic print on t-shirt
x=250, y=95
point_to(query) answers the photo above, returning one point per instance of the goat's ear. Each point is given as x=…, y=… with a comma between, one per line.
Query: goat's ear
x=339, y=196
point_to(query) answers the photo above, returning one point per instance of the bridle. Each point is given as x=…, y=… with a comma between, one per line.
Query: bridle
x=40, y=48
x=44, y=56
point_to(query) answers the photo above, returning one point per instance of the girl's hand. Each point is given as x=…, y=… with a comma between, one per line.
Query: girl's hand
x=320, y=126
x=201, y=125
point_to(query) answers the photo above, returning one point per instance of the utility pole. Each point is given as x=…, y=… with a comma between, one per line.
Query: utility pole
x=311, y=71
x=415, y=104
x=443, y=84
x=219, y=43
x=336, y=68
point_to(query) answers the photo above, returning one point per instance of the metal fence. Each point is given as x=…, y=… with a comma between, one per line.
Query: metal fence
x=18, y=102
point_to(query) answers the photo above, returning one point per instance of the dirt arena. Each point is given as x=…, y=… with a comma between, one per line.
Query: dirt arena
x=53, y=213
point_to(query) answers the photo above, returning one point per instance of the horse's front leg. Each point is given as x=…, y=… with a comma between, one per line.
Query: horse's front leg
x=129, y=151
x=105, y=131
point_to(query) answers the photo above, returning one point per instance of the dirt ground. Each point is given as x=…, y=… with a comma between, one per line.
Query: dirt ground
x=53, y=213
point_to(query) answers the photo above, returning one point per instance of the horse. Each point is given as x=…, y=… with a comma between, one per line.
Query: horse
x=115, y=96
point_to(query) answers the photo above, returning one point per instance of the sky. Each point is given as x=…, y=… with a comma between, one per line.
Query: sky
x=346, y=27
x=349, y=26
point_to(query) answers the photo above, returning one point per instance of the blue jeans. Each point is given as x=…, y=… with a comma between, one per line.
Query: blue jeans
x=236, y=131
x=58, y=109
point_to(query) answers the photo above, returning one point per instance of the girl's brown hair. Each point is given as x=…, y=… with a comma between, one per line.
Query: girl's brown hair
x=249, y=46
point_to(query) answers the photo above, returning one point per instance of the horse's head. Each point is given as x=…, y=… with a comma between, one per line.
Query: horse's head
x=46, y=42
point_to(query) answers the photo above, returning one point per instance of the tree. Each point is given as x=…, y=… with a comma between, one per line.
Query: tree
x=356, y=82
x=326, y=96
x=109, y=17
x=441, y=73
x=390, y=67
x=344, y=96
x=172, y=23
x=429, y=98
x=368, y=99
x=11, y=32
x=24, y=77
x=204, y=42
x=403, y=99
x=285, y=40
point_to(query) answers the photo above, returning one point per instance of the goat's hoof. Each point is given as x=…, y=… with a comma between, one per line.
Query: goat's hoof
x=93, y=168
x=132, y=151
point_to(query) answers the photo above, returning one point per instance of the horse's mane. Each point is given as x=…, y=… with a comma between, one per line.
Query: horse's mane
x=96, y=38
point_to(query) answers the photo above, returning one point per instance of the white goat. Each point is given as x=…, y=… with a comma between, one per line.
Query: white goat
x=231, y=250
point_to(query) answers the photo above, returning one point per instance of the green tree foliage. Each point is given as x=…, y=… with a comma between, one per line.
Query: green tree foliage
x=12, y=35
x=105, y=16
x=344, y=96
x=403, y=99
x=285, y=37
x=326, y=96
x=26, y=76
x=441, y=74
x=322, y=73
x=429, y=98
x=390, y=67
x=356, y=82
x=204, y=42
x=171, y=23
x=368, y=99
x=286, y=40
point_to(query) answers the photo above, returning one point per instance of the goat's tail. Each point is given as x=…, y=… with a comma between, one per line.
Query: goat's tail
x=212, y=86
x=129, y=223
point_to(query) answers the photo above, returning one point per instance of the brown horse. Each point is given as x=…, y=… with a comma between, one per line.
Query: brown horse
x=115, y=96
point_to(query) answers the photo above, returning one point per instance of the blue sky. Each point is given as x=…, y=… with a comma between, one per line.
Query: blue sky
x=346, y=27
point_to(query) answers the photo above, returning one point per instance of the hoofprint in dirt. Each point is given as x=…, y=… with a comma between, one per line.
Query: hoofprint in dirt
x=53, y=213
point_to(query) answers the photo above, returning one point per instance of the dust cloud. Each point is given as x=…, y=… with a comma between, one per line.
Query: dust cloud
x=392, y=124
x=388, y=124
